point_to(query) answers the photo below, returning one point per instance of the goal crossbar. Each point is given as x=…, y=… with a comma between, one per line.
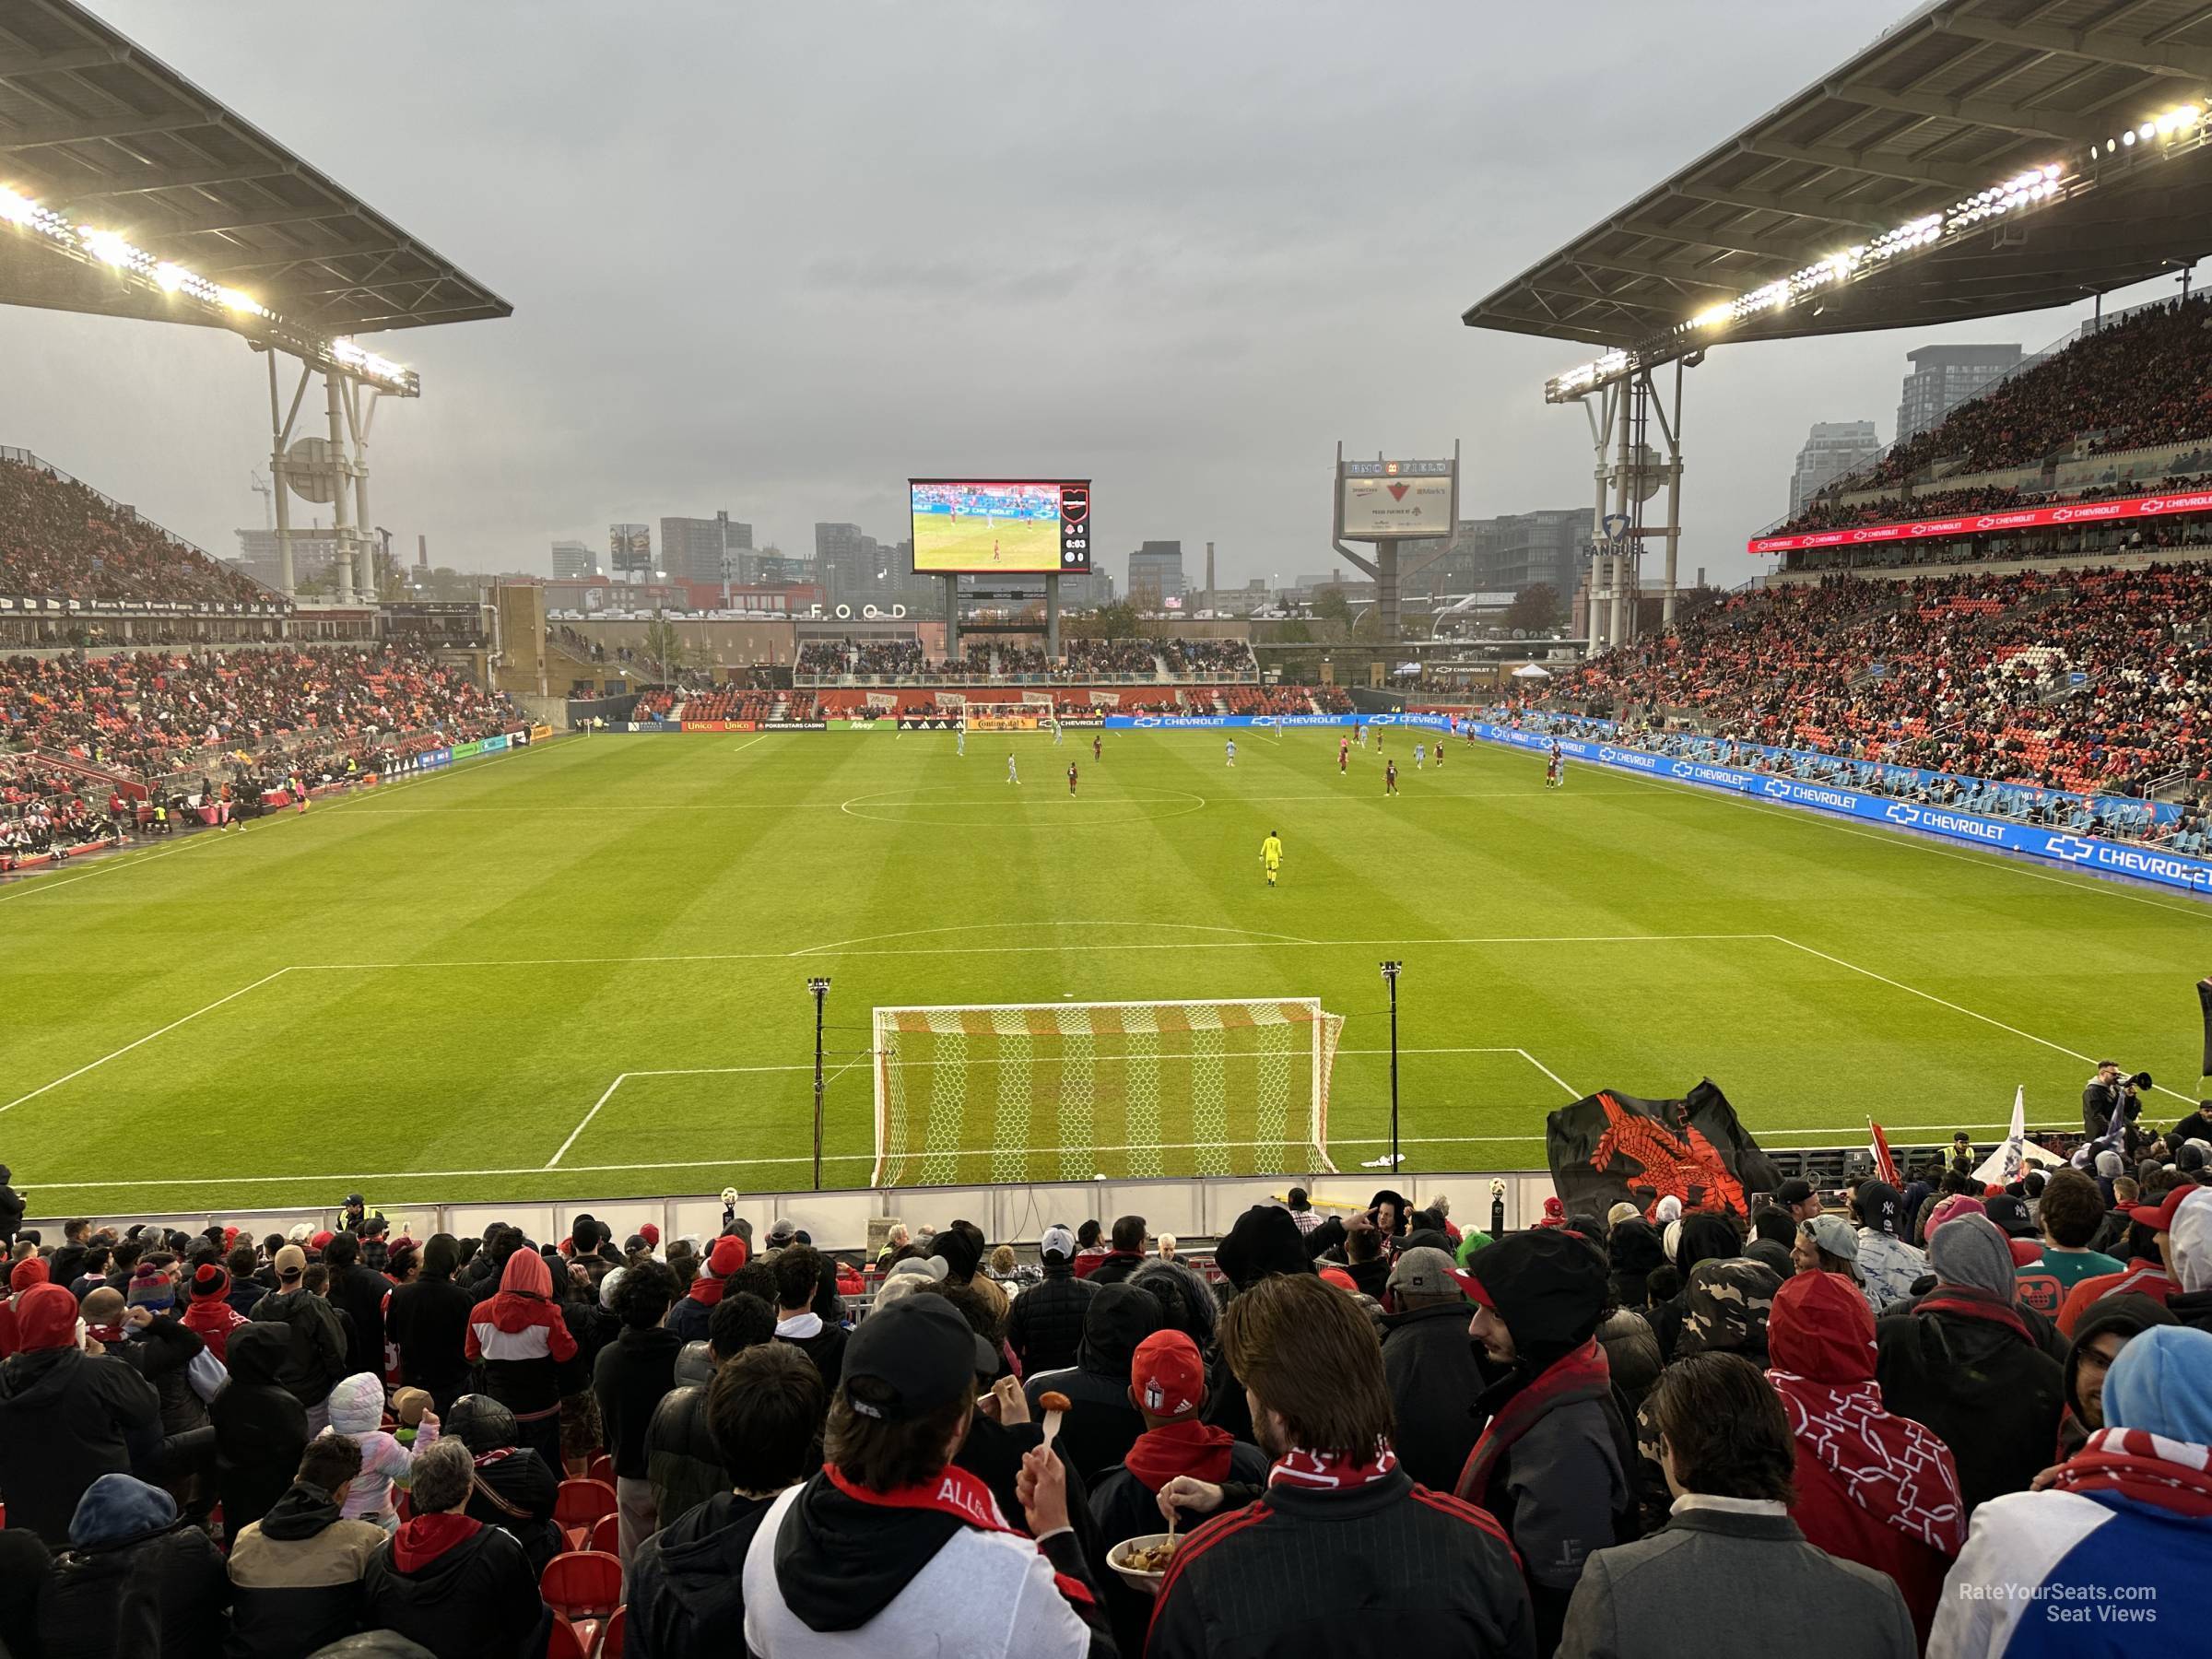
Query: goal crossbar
x=1218, y=1077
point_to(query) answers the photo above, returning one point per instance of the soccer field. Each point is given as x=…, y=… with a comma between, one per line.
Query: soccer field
x=975, y=543
x=580, y=971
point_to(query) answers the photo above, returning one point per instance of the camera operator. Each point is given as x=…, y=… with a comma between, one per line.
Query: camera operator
x=2109, y=1105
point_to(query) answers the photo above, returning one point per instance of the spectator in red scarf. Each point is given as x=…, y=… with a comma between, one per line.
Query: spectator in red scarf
x=1552, y=1459
x=1408, y=1569
x=1874, y=1488
x=20, y=1277
x=520, y=1339
x=446, y=1580
x=1167, y=1385
x=2133, y=1508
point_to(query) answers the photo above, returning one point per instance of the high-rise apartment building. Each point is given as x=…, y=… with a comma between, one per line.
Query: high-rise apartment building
x=1156, y=572
x=699, y=549
x=573, y=559
x=1831, y=449
x=1943, y=377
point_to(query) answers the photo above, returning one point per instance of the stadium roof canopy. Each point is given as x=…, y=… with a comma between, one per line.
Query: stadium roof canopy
x=2087, y=119
x=106, y=135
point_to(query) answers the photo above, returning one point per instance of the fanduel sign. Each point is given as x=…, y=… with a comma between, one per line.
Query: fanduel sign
x=2119, y=858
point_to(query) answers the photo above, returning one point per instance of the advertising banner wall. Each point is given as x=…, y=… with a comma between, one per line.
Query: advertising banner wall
x=2057, y=846
x=1437, y=723
x=1981, y=524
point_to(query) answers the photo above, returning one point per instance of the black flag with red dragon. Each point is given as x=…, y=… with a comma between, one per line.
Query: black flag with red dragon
x=1611, y=1148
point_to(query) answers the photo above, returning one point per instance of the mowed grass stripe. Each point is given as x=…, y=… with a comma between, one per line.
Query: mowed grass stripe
x=489, y=1069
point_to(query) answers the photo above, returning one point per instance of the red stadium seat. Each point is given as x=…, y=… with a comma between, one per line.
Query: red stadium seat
x=583, y=1587
x=610, y=1638
x=578, y=1505
x=601, y=1468
x=607, y=1535
x=566, y=1641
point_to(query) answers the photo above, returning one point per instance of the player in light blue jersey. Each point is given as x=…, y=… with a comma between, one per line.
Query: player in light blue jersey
x=960, y=738
x=1012, y=776
x=1232, y=751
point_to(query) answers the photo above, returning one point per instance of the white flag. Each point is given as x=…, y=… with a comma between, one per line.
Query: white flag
x=2016, y=1141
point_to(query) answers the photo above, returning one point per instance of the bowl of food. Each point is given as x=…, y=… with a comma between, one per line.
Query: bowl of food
x=1142, y=1561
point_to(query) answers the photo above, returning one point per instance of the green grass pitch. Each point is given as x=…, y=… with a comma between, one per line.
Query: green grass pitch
x=975, y=543
x=425, y=990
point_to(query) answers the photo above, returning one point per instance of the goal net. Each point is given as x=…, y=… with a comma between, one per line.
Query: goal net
x=1069, y=1090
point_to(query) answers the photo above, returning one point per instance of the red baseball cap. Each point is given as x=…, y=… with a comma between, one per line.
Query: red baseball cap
x=1338, y=1277
x=1167, y=1378
x=2159, y=1217
x=728, y=1254
x=650, y=1233
x=321, y=1241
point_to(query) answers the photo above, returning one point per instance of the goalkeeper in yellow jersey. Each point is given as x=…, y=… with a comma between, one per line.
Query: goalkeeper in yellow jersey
x=1271, y=855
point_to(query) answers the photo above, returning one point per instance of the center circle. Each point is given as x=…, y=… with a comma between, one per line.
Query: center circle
x=1023, y=806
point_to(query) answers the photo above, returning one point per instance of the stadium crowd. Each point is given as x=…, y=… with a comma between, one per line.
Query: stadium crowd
x=59, y=539
x=1971, y=673
x=1826, y=513
x=1898, y=1417
x=2140, y=380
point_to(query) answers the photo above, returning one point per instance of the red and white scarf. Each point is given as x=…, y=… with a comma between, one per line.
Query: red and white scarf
x=2148, y=1468
x=1332, y=1471
x=1893, y=1467
x=952, y=1492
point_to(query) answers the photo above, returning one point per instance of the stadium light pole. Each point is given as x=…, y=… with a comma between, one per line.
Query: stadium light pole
x=1389, y=978
x=821, y=988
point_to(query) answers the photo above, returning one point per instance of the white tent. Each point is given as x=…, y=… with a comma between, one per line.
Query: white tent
x=1530, y=671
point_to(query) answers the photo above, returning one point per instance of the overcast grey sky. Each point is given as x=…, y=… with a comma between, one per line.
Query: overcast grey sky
x=778, y=258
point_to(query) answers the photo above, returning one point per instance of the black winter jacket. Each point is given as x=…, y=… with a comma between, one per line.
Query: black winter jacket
x=315, y=1360
x=260, y=1430
x=476, y=1600
x=634, y=1372
x=158, y=1594
x=296, y=1577
x=1408, y=1570
x=1045, y=1325
x=429, y=1322
x=162, y=1353
x=686, y=1585
x=67, y=1417
x=1994, y=1399
x=681, y=1458
x=1429, y=1363
x=359, y=1292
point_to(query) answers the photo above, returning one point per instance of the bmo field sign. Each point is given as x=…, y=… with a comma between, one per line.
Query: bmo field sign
x=1395, y=500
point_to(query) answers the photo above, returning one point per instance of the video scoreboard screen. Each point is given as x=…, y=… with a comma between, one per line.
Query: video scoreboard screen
x=980, y=527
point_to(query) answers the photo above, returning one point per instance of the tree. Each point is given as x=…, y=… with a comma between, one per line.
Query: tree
x=1534, y=610
x=1117, y=621
x=665, y=646
x=1331, y=606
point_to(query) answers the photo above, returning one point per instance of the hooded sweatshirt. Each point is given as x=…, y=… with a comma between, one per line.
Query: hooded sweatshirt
x=1634, y=1250
x=2189, y=1242
x=687, y=1584
x=260, y=1430
x=1704, y=1237
x=829, y=1573
x=2126, y=1316
x=520, y=1338
x=134, y=1580
x=459, y=1588
x=1874, y=1488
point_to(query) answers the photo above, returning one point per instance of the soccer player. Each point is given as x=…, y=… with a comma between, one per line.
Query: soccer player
x=1554, y=767
x=1344, y=754
x=1098, y=745
x=1059, y=733
x=1440, y=754
x=1232, y=751
x=1359, y=734
x=1419, y=749
x=960, y=738
x=1071, y=777
x=1012, y=776
x=1271, y=854
x=1389, y=776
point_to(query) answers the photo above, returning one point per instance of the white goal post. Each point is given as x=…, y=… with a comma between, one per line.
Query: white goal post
x=1068, y=1090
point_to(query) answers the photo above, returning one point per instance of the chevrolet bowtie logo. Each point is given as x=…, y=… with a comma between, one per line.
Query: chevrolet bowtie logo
x=2071, y=848
x=1899, y=813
